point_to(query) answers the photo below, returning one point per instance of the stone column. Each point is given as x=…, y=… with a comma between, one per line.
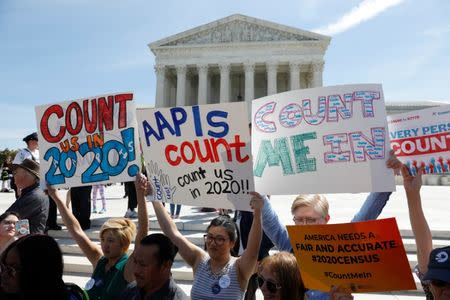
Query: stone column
x=224, y=83
x=181, y=85
x=202, y=84
x=317, y=69
x=272, y=68
x=249, y=69
x=160, y=71
x=294, y=68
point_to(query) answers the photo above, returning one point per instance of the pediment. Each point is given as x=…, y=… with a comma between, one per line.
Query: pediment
x=238, y=29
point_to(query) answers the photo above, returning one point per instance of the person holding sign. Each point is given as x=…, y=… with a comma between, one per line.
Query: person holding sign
x=217, y=275
x=112, y=266
x=313, y=209
x=433, y=267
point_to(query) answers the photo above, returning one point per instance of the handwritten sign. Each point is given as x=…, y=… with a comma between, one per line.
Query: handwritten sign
x=88, y=141
x=359, y=257
x=421, y=138
x=321, y=140
x=198, y=155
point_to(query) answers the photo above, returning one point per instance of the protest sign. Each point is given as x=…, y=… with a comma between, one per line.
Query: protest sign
x=421, y=138
x=359, y=257
x=198, y=155
x=321, y=140
x=88, y=141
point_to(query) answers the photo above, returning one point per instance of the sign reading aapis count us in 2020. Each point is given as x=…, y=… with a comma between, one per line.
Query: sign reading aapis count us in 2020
x=198, y=155
x=357, y=257
x=88, y=141
x=304, y=141
x=421, y=138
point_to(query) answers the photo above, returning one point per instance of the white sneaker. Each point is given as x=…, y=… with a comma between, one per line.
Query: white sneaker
x=133, y=214
x=128, y=213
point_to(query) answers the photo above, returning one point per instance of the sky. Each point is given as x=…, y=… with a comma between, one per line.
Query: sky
x=58, y=50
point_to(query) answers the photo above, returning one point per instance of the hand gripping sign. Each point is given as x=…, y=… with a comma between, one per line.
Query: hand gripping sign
x=358, y=257
x=88, y=141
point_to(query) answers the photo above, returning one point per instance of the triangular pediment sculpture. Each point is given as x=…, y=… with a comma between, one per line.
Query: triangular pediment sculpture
x=238, y=29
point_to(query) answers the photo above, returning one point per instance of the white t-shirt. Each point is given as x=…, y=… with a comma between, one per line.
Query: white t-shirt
x=24, y=154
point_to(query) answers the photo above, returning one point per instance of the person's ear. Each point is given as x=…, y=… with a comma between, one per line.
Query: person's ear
x=327, y=218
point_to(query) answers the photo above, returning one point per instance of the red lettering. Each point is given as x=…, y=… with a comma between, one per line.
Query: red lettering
x=78, y=119
x=172, y=148
x=90, y=124
x=105, y=113
x=54, y=109
x=122, y=100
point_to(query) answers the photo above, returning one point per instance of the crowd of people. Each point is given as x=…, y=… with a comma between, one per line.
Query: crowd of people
x=230, y=266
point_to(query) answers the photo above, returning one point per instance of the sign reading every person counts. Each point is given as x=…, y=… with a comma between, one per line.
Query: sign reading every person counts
x=198, y=155
x=321, y=140
x=358, y=257
x=88, y=141
x=421, y=138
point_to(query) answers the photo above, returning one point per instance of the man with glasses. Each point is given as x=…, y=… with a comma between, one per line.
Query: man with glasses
x=313, y=209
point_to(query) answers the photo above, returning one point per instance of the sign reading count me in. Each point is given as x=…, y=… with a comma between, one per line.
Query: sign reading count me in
x=88, y=141
x=321, y=140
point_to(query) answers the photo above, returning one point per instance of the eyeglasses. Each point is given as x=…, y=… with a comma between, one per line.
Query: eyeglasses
x=307, y=220
x=8, y=270
x=271, y=286
x=218, y=240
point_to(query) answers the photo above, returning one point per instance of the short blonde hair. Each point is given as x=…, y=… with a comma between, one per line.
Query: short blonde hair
x=318, y=202
x=123, y=229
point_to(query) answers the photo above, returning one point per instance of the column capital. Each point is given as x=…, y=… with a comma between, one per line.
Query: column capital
x=224, y=67
x=249, y=67
x=272, y=66
x=160, y=69
x=181, y=69
x=317, y=66
x=203, y=68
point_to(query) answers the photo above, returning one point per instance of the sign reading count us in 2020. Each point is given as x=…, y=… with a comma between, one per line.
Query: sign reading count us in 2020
x=88, y=141
x=198, y=155
x=321, y=140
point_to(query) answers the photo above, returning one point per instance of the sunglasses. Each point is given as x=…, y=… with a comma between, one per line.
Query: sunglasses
x=271, y=286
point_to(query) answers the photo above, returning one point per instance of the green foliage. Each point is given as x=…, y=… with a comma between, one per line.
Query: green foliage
x=5, y=153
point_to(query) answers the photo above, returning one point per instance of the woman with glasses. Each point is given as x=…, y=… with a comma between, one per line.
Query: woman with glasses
x=8, y=235
x=217, y=275
x=112, y=266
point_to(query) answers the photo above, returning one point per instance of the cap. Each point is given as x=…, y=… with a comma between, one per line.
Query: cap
x=31, y=137
x=439, y=265
x=29, y=165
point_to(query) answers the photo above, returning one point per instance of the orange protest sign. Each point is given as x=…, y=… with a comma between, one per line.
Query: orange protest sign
x=359, y=257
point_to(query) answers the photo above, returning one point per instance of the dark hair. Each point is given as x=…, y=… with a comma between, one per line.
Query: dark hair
x=227, y=223
x=167, y=250
x=41, y=266
x=284, y=266
x=7, y=214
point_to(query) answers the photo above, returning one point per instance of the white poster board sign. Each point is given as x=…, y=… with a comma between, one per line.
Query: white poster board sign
x=421, y=138
x=198, y=155
x=321, y=140
x=88, y=141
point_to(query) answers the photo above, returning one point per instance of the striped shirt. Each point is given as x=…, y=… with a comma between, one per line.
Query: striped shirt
x=206, y=286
